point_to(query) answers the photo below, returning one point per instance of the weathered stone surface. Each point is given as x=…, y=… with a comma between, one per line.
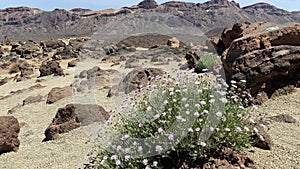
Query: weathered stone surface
x=32, y=99
x=73, y=116
x=173, y=42
x=148, y=4
x=135, y=80
x=226, y=158
x=51, y=67
x=266, y=55
x=9, y=131
x=73, y=63
x=58, y=93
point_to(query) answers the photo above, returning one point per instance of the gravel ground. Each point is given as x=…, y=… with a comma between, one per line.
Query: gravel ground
x=285, y=153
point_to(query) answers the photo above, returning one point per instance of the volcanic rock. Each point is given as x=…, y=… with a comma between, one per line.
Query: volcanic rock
x=73, y=116
x=148, y=4
x=58, y=93
x=266, y=55
x=51, y=67
x=9, y=131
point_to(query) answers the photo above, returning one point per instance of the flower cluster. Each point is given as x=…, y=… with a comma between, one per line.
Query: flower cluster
x=182, y=113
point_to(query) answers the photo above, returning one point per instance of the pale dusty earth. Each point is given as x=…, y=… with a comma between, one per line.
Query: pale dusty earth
x=71, y=149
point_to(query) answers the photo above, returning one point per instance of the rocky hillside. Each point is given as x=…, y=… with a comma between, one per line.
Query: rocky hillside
x=22, y=22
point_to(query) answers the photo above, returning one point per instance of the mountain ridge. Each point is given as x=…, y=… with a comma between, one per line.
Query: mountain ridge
x=23, y=22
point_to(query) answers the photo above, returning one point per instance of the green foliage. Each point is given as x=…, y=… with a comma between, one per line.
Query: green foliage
x=207, y=62
x=188, y=115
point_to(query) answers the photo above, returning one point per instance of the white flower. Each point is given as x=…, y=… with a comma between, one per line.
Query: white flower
x=197, y=83
x=171, y=137
x=126, y=136
x=171, y=93
x=187, y=112
x=185, y=90
x=149, y=108
x=177, y=91
x=199, y=91
x=196, y=114
x=212, y=100
x=186, y=105
x=184, y=99
x=171, y=89
x=203, y=102
x=244, y=81
x=156, y=116
x=174, y=100
x=141, y=125
x=147, y=167
x=114, y=157
x=105, y=158
x=118, y=162
x=224, y=100
x=140, y=148
x=219, y=114
x=233, y=82
x=165, y=102
x=246, y=129
x=197, y=105
x=227, y=129
x=119, y=147
x=155, y=163
x=145, y=162
x=127, y=157
x=190, y=129
x=197, y=129
x=205, y=112
x=238, y=129
x=239, y=115
x=255, y=129
x=202, y=144
x=160, y=130
x=158, y=148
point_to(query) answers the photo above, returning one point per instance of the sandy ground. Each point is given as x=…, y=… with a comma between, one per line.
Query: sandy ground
x=285, y=153
x=71, y=149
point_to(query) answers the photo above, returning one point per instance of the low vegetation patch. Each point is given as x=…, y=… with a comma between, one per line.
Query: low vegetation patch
x=179, y=117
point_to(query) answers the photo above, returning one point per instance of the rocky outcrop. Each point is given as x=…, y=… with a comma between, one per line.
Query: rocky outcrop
x=266, y=55
x=51, y=67
x=73, y=116
x=148, y=4
x=58, y=93
x=9, y=131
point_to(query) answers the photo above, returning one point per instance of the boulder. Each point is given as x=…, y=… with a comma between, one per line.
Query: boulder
x=9, y=131
x=51, y=67
x=266, y=55
x=58, y=93
x=73, y=116
x=72, y=63
x=134, y=80
x=173, y=42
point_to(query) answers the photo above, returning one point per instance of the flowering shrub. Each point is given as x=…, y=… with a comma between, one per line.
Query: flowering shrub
x=178, y=117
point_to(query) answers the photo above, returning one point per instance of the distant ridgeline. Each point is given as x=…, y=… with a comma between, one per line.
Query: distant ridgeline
x=23, y=23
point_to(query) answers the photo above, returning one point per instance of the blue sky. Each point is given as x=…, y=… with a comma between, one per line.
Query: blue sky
x=291, y=5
